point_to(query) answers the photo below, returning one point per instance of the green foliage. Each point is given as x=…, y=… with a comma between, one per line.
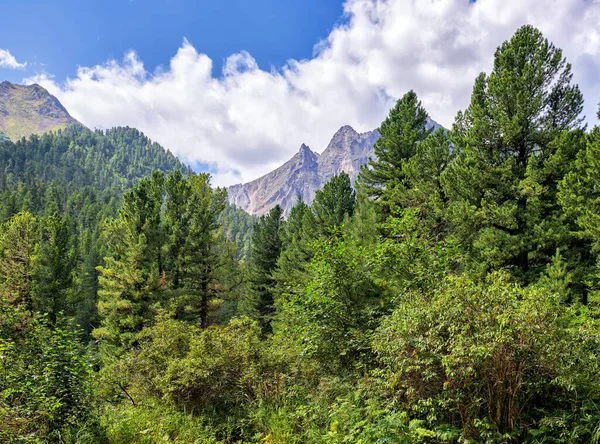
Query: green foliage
x=131, y=279
x=191, y=368
x=18, y=241
x=401, y=132
x=55, y=267
x=237, y=227
x=334, y=204
x=488, y=357
x=46, y=387
x=206, y=251
x=266, y=248
x=331, y=321
x=511, y=154
x=452, y=299
x=580, y=199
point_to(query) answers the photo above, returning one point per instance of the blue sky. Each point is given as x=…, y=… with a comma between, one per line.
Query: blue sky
x=57, y=36
x=243, y=83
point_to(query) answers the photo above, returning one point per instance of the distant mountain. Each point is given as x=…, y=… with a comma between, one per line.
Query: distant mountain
x=30, y=109
x=307, y=172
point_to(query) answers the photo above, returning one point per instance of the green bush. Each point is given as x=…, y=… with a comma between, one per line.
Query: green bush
x=46, y=387
x=491, y=358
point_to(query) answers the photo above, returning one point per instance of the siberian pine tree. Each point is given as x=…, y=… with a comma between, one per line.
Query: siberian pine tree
x=296, y=233
x=177, y=225
x=334, y=203
x=508, y=143
x=55, y=267
x=401, y=132
x=18, y=245
x=206, y=251
x=132, y=278
x=422, y=189
x=266, y=248
x=579, y=195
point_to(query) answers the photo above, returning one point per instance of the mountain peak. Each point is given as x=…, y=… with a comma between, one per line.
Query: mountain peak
x=346, y=130
x=304, y=148
x=306, y=156
x=30, y=109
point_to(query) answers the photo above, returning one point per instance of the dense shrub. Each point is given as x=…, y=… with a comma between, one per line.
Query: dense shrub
x=46, y=387
x=491, y=358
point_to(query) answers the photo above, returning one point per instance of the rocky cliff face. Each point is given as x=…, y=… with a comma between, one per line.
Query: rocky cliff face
x=297, y=177
x=307, y=172
x=26, y=110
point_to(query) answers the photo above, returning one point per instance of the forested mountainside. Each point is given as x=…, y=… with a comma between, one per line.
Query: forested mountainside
x=76, y=171
x=30, y=109
x=307, y=171
x=455, y=298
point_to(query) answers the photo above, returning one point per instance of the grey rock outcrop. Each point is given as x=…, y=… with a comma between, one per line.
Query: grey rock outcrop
x=307, y=172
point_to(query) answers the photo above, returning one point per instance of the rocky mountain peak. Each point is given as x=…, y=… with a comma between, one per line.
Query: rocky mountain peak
x=30, y=109
x=306, y=172
x=306, y=156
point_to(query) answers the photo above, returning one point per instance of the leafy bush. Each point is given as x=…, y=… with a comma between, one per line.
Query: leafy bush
x=490, y=358
x=190, y=368
x=46, y=387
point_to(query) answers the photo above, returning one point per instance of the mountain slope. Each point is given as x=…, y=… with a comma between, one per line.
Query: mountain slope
x=298, y=176
x=307, y=172
x=77, y=169
x=30, y=109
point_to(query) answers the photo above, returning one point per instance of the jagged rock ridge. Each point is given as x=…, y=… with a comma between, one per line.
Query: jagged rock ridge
x=307, y=172
x=30, y=109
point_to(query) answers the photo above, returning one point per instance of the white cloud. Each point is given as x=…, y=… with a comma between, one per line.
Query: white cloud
x=249, y=120
x=7, y=60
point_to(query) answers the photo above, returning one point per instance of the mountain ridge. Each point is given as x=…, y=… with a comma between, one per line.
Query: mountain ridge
x=307, y=171
x=30, y=109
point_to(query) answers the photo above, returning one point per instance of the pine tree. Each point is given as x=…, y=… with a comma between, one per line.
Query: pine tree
x=401, y=132
x=295, y=232
x=266, y=248
x=132, y=278
x=508, y=144
x=422, y=189
x=177, y=225
x=334, y=203
x=579, y=195
x=18, y=245
x=55, y=267
x=206, y=250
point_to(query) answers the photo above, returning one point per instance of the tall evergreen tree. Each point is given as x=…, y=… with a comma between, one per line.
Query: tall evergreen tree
x=266, y=248
x=401, y=132
x=334, y=203
x=177, y=222
x=296, y=233
x=18, y=245
x=55, y=268
x=501, y=185
x=579, y=195
x=422, y=189
x=206, y=251
x=132, y=277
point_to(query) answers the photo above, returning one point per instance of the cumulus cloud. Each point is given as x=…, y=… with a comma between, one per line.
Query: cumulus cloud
x=247, y=121
x=7, y=60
